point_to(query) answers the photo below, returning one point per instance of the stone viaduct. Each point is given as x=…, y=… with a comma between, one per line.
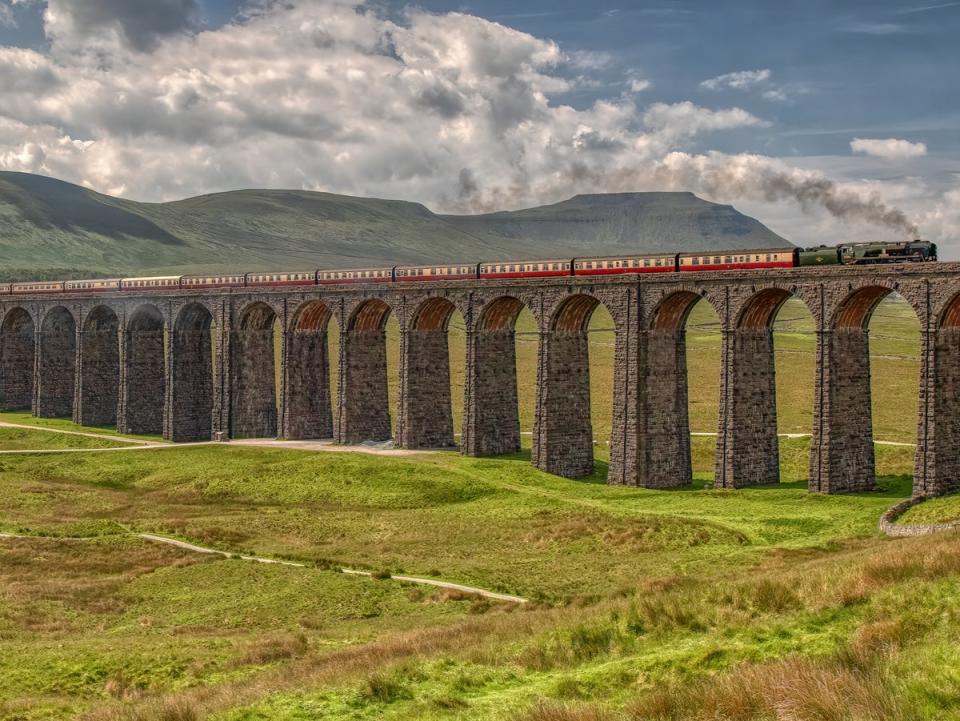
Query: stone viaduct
x=196, y=365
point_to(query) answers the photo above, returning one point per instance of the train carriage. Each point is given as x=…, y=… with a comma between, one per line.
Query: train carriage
x=412, y=273
x=525, y=268
x=96, y=285
x=212, y=281
x=737, y=260
x=38, y=286
x=355, y=275
x=297, y=277
x=160, y=282
x=6, y=288
x=620, y=264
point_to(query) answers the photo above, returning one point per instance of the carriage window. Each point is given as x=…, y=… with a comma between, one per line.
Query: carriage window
x=696, y=261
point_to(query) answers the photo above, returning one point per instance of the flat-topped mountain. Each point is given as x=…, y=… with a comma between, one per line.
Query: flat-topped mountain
x=48, y=226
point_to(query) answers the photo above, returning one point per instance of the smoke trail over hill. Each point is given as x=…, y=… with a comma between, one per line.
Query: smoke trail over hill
x=755, y=177
x=719, y=177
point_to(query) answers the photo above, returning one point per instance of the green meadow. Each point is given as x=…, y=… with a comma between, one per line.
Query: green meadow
x=749, y=605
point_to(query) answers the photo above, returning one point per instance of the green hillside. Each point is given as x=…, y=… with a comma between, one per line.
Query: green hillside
x=665, y=221
x=50, y=228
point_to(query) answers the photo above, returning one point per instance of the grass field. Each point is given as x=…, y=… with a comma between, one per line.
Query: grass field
x=763, y=603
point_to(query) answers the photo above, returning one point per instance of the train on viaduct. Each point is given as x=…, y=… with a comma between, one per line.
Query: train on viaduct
x=196, y=364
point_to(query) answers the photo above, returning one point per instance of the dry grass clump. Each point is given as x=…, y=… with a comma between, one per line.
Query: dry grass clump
x=274, y=649
x=551, y=711
x=794, y=689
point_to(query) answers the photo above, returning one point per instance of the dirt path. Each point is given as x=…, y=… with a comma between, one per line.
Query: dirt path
x=810, y=435
x=472, y=590
x=104, y=436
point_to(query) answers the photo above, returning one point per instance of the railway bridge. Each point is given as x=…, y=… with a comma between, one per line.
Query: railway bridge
x=200, y=364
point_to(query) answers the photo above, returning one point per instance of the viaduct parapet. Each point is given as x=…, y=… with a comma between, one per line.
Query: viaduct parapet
x=196, y=365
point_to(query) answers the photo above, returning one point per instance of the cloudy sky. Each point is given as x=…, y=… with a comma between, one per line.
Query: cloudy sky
x=827, y=120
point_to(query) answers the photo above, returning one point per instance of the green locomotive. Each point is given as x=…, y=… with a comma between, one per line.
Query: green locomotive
x=909, y=251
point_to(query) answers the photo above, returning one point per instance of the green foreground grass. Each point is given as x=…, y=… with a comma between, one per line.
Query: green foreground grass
x=763, y=603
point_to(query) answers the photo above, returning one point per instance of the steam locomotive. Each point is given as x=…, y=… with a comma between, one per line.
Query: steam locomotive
x=845, y=254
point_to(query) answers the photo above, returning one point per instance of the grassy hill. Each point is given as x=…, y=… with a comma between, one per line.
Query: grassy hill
x=694, y=604
x=664, y=221
x=50, y=228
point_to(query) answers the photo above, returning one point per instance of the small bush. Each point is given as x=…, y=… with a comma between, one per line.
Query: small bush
x=383, y=689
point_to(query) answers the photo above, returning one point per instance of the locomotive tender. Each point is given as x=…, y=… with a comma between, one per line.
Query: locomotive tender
x=845, y=254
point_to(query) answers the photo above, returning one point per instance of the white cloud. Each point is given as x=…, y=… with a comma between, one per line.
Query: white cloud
x=889, y=148
x=447, y=109
x=740, y=80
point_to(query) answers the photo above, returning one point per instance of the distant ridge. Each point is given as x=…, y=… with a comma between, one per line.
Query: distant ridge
x=50, y=228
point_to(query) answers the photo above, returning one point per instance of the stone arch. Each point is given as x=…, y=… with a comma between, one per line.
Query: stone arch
x=191, y=381
x=500, y=314
x=370, y=315
x=760, y=309
x=950, y=315
x=433, y=314
x=253, y=412
x=425, y=411
x=748, y=451
x=563, y=427
x=99, y=368
x=936, y=463
x=573, y=314
x=56, y=364
x=671, y=313
x=17, y=348
x=842, y=454
x=364, y=405
x=856, y=309
x=491, y=423
x=144, y=366
x=665, y=458
x=307, y=408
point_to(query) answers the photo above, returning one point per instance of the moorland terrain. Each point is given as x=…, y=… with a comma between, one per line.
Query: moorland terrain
x=53, y=229
x=748, y=605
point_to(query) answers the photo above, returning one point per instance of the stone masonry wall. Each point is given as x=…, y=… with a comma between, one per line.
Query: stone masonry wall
x=307, y=412
x=492, y=417
x=144, y=384
x=364, y=411
x=563, y=432
x=56, y=363
x=191, y=386
x=100, y=378
x=16, y=369
x=666, y=461
x=426, y=419
x=748, y=452
x=937, y=467
x=253, y=412
x=845, y=441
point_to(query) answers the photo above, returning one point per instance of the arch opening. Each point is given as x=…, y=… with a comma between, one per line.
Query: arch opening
x=307, y=408
x=57, y=364
x=428, y=411
x=100, y=368
x=871, y=352
x=682, y=387
x=367, y=385
x=192, y=375
x=563, y=439
x=17, y=348
x=499, y=414
x=771, y=341
x=145, y=370
x=254, y=351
